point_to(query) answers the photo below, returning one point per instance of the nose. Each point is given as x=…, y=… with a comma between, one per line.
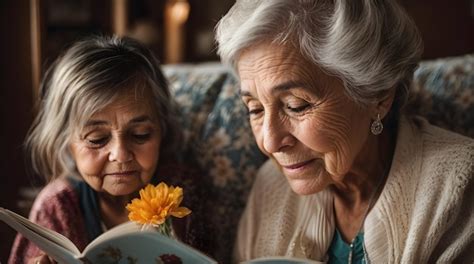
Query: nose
x=120, y=151
x=275, y=133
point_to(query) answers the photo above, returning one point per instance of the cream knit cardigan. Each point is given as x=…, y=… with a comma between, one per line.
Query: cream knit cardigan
x=424, y=214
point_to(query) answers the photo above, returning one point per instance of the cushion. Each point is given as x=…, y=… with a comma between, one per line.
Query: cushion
x=218, y=132
x=443, y=92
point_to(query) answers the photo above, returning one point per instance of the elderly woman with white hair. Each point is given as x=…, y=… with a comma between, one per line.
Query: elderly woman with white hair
x=351, y=179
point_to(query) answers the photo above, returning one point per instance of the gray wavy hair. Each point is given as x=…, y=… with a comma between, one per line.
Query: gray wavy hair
x=90, y=75
x=372, y=46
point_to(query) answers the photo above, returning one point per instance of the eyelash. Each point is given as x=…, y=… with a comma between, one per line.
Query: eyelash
x=100, y=142
x=298, y=109
x=254, y=111
x=142, y=137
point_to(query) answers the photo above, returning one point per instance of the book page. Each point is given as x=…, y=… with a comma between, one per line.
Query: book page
x=141, y=247
x=54, y=244
x=125, y=228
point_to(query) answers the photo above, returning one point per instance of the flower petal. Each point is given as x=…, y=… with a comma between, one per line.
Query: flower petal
x=180, y=212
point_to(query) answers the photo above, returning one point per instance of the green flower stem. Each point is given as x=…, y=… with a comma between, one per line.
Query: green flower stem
x=165, y=228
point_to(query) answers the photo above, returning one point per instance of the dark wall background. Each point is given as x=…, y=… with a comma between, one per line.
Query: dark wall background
x=15, y=106
x=446, y=26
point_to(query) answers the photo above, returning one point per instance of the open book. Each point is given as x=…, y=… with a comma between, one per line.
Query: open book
x=125, y=243
x=281, y=260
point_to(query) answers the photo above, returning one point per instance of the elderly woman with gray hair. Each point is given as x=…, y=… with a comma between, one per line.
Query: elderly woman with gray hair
x=351, y=178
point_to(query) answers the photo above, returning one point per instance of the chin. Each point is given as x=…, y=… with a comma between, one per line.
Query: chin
x=119, y=193
x=121, y=190
x=305, y=187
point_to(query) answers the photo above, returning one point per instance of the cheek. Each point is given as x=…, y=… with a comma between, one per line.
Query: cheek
x=90, y=162
x=331, y=135
x=149, y=155
x=349, y=134
x=318, y=132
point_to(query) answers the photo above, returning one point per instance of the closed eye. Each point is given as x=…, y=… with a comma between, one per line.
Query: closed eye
x=142, y=137
x=255, y=111
x=98, y=142
x=297, y=109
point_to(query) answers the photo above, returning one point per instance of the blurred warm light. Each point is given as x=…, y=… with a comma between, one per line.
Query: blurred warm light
x=35, y=33
x=119, y=18
x=176, y=15
x=145, y=31
x=180, y=11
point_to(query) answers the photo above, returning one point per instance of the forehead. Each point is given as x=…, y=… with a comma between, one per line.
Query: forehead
x=267, y=65
x=133, y=102
x=106, y=106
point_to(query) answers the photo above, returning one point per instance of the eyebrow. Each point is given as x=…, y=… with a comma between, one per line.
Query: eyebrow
x=139, y=119
x=278, y=88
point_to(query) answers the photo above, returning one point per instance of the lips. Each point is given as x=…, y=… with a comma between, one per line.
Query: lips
x=122, y=173
x=297, y=165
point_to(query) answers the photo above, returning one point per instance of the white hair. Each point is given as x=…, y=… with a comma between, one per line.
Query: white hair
x=371, y=45
x=90, y=75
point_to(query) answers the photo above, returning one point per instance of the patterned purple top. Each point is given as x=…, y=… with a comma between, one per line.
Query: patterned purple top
x=57, y=208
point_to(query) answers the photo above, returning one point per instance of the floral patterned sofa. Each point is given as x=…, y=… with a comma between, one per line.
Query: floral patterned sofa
x=218, y=134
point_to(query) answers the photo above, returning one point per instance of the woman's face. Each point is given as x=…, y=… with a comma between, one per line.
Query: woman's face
x=301, y=117
x=118, y=149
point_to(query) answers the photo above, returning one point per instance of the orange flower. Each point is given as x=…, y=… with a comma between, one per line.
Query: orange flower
x=156, y=203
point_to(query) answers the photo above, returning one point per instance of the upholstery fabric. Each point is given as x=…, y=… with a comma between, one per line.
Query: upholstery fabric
x=443, y=92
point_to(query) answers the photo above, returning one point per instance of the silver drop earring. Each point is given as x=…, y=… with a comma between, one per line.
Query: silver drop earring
x=377, y=127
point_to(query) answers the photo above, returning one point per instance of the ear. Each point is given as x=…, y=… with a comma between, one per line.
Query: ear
x=383, y=106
